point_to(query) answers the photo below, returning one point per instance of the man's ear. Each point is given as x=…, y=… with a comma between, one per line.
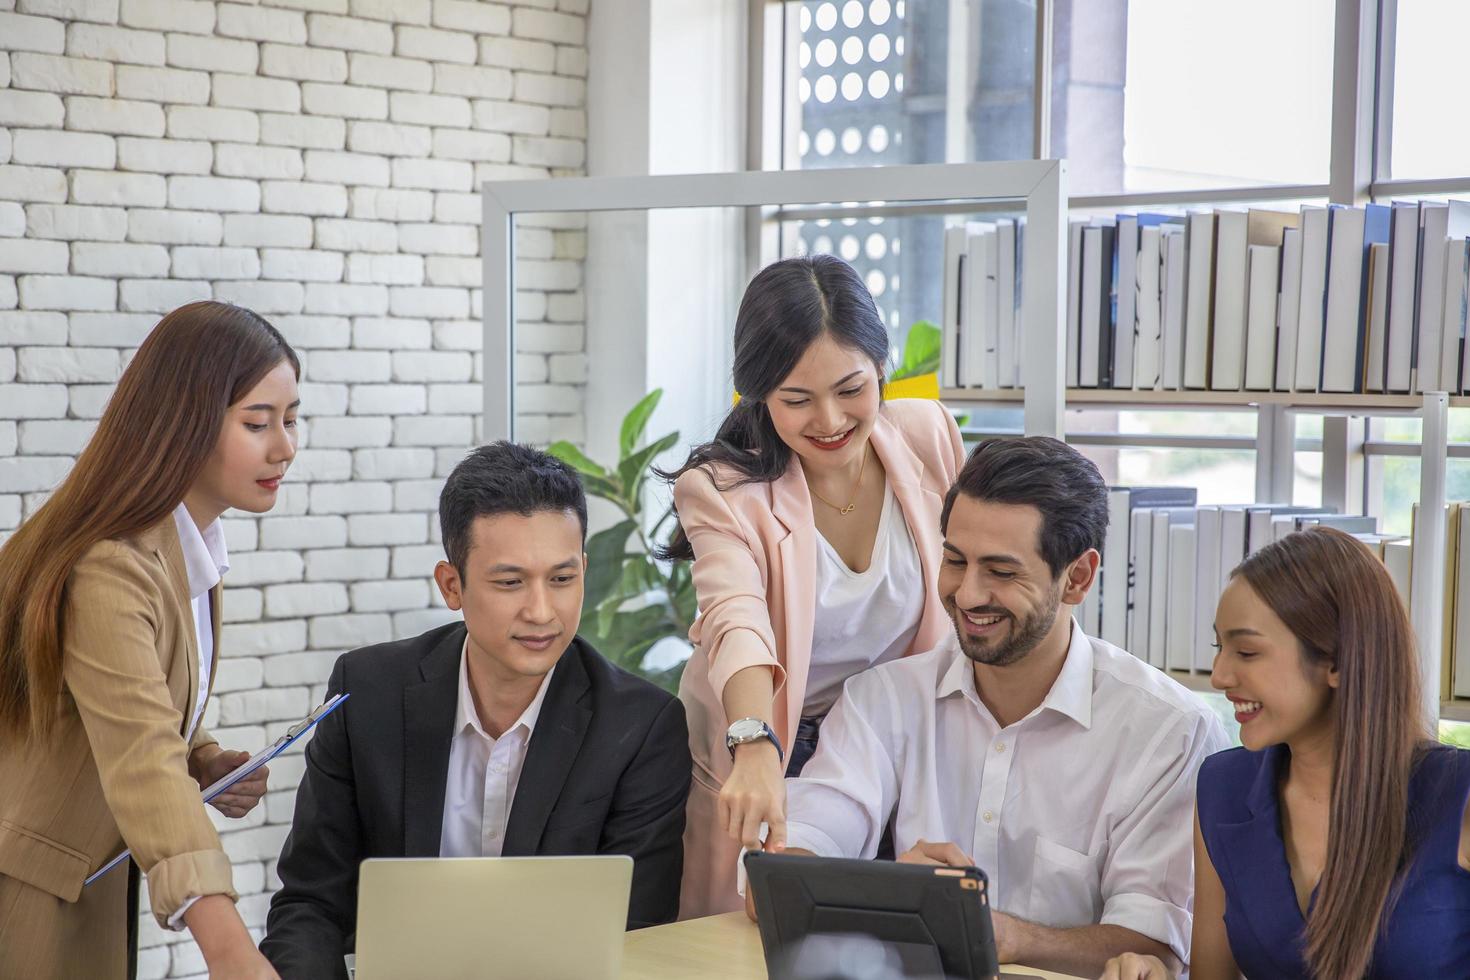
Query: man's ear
x=1079, y=577
x=446, y=576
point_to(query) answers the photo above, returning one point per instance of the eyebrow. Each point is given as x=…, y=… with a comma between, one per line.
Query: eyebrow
x=1242, y=631
x=993, y=559
x=518, y=570
x=266, y=406
x=839, y=384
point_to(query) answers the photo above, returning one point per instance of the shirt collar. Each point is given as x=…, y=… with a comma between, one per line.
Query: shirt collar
x=1070, y=694
x=205, y=558
x=465, y=714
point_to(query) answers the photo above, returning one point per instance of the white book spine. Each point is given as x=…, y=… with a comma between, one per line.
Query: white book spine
x=1158, y=587
x=1431, y=294
x=1313, y=297
x=1227, y=367
x=1139, y=575
x=1342, y=328
x=1074, y=300
x=1288, y=308
x=1206, y=584
x=1092, y=287
x=1147, y=298
x=1198, y=305
x=1125, y=331
x=1005, y=304
x=1376, y=333
x=1179, y=629
x=1402, y=284
x=954, y=288
x=1452, y=324
x=1175, y=293
x=1260, y=339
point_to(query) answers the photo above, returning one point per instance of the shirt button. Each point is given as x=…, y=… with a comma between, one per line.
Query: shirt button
x=1000, y=746
x=492, y=833
x=987, y=816
x=497, y=768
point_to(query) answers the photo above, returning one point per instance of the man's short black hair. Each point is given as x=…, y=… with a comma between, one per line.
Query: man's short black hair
x=504, y=478
x=1046, y=474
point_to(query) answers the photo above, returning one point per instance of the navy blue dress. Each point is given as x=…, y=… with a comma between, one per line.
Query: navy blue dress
x=1428, y=931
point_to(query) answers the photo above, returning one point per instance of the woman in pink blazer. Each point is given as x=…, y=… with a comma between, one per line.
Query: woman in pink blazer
x=812, y=520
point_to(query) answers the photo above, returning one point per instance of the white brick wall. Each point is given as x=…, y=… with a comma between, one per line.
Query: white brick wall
x=316, y=160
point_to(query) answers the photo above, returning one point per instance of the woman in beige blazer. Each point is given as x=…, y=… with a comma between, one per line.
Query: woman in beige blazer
x=813, y=523
x=109, y=629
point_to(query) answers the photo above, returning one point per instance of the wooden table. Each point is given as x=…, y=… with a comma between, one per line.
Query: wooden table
x=726, y=946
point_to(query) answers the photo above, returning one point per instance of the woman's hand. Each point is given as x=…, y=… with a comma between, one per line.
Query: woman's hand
x=228, y=950
x=755, y=793
x=209, y=762
x=1132, y=966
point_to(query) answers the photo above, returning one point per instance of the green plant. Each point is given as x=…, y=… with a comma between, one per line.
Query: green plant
x=631, y=600
x=920, y=352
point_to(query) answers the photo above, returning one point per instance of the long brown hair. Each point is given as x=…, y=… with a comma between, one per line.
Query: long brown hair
x=158, y=430
x=1341, y=604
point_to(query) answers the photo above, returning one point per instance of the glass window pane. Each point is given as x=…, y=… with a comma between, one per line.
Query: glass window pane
x=874, y=82
x=1428, y=48
x=1186, y=94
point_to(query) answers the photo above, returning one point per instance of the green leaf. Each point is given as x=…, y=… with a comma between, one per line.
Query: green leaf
x=920, y=352
x=636, y=421
x=633, y=470
x=605, y=554
x=577, y=460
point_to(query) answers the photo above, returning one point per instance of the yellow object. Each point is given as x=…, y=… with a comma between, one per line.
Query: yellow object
x=922, y=386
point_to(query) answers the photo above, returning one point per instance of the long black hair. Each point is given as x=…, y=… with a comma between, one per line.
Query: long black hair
x=786, y=307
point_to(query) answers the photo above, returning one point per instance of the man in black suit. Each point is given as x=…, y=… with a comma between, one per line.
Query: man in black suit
x=504, y=735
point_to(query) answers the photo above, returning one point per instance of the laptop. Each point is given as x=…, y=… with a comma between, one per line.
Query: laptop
x=533, y=918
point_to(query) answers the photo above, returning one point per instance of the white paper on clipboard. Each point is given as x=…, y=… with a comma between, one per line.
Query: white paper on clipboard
x=247, y=767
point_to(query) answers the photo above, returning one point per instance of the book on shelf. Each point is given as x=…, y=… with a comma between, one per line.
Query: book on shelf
x=1259, y=530
x=1179, y=633
x=1119, y=558
x=1199, y=308
x=1288, y=308
x=1159, y=580
x=1338, y=300
x=1311, y=308
x=1352, y=230
x=1403, y=279
x=1398, y=558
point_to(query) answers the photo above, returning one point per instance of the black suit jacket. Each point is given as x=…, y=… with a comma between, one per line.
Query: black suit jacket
x=606, y=772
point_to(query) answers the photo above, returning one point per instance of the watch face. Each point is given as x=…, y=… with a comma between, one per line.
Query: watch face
x=745, y=729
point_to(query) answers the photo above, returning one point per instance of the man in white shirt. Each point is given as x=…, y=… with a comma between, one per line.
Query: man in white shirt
x=504, y=735
x=1061, y=765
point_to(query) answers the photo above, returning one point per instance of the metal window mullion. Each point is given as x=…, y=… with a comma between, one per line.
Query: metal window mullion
x=1354, y=68
x=1387, y=42
x=1041, y=80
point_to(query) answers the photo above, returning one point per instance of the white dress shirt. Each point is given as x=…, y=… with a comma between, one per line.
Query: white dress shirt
x=205, y=563
x=483, y=773
x=864, y=618
x=1081, y=813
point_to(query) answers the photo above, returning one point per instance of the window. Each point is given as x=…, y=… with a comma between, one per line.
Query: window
x=1427, y=141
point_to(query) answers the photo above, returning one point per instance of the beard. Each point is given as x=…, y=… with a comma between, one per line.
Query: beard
x=1023, y=636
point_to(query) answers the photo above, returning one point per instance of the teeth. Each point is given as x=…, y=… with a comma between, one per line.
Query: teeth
x=837, y=438
x=983, y=620
x=1247, y=707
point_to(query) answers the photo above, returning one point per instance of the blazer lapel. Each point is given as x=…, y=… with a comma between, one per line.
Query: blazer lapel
x=921, y=507
x=163, y=538
x=428, y=729
x=791, y=503
x=553, y=749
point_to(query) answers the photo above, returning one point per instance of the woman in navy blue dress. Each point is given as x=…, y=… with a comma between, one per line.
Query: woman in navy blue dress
x=1336, y=843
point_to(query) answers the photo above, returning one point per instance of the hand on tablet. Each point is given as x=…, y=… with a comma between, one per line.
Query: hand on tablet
x=1132, y=966
x=754, y=794
x=940, y=854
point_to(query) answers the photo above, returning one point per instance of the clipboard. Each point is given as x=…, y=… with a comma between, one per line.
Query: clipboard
x=246, y=768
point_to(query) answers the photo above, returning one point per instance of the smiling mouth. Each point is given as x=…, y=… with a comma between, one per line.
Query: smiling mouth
x=1245, y=710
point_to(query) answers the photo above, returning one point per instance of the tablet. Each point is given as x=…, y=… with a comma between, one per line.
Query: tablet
x=824, y=918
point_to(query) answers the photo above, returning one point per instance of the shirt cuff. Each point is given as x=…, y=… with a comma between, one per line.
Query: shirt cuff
x=1152, y=917
x=176, y=921
x=809, y=838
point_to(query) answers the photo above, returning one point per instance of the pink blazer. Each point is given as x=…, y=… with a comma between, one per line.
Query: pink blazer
x=755, y=569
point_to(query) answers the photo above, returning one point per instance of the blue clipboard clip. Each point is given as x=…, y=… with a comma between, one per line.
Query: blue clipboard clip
x=247, y=767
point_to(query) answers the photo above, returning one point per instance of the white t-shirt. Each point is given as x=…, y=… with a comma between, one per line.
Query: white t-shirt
x=864, y=618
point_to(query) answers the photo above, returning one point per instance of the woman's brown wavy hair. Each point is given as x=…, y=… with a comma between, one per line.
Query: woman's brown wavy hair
x=157, y=432
x=1340, y=603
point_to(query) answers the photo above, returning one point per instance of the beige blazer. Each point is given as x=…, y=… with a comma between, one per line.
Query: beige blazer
x=755, y=573
x=114, y=771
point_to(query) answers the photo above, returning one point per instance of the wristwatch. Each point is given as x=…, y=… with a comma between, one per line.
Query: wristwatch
x=748, y=730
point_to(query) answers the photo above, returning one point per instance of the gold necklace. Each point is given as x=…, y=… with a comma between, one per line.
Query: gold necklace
x=852, y=504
